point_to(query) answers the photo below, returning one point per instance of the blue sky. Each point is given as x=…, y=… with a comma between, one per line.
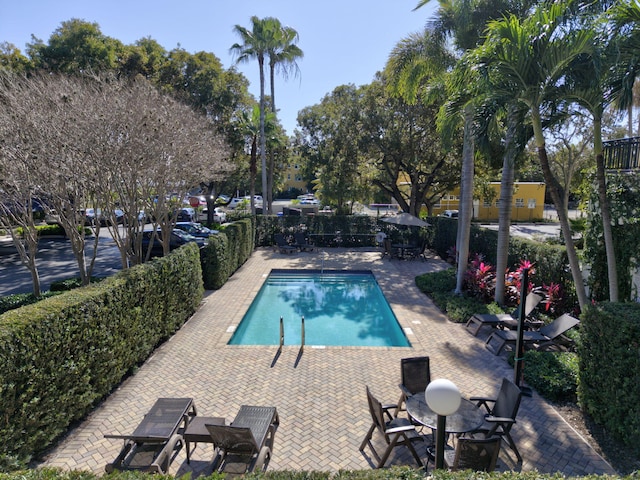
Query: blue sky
x=344, y=41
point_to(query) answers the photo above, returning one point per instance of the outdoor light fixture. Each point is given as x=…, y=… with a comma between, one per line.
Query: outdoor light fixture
x=443, y=397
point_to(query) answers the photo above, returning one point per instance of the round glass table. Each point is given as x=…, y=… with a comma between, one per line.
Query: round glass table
x=467, y=419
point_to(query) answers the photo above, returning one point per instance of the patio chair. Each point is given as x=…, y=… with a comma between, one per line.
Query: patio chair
x=501, y=413
x=479, y=320
x=301, y=242
x=247, y=443
x=418, y=252
x=479, y=454
x=389, y=250
x=283, y=246
x=416, y=375
x=396, y=431
x=549, y=337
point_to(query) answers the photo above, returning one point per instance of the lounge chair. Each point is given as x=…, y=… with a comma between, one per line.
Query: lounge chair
x=479, y=454
x=301, y=243
x=247, y=443
x=283, y=246
x=501, y=413
x=396, y=431
x=547, y=338
x=479, y=320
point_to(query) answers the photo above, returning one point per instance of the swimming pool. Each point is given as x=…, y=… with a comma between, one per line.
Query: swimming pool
x=340, y=308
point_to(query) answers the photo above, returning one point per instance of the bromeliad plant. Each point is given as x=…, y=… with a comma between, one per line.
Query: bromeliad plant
x=480, y=279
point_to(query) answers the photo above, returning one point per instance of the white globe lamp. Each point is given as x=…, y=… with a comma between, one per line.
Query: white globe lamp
x=443, y=397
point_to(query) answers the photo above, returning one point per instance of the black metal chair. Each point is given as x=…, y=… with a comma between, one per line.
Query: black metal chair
x=501, y=413
x=416, y=375
x=479, y=454
x=396, y=431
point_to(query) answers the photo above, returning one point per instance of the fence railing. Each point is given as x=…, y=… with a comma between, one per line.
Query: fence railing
x=622, y=154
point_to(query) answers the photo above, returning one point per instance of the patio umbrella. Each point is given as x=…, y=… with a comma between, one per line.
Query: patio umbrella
x=406, y=219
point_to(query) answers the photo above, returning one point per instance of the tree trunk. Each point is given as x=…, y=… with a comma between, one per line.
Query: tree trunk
x=506, y=197
x=605, y=212
x=574, y=264
x=263, y=140
x=466, y=199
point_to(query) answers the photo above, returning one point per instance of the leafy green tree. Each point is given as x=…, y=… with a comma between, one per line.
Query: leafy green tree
x=330, y=141
x=12, y=59
x=76, y=46
x=403, y=142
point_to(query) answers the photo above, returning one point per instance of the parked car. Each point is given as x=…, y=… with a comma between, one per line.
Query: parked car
x=96, y=215
x=219, y=215
x=450, y=213
x=187, y=214
x=196, y=229
x=178, y=239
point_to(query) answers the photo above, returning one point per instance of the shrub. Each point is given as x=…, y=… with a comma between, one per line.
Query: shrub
x=61, y=355
x=554, y=375
x=71, y=283
x=609, y=386
x=11, y=302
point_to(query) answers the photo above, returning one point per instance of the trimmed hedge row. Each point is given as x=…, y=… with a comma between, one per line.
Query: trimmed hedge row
x=392, y=473
x=59, y=356
x=609, y=351
x=226, y=252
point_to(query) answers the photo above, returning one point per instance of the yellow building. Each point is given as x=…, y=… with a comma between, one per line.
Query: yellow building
x=528, y=203
x=293, y=178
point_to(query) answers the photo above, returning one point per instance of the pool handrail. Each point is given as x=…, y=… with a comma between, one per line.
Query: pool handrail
x=302, y=334
x=281, y=332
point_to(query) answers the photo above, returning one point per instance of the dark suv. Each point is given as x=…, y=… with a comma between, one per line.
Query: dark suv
x=178, y=239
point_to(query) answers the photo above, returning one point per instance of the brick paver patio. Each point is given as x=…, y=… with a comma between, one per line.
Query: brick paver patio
x=320, y=393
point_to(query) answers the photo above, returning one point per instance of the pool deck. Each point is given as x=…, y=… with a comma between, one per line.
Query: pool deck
x=319, y=392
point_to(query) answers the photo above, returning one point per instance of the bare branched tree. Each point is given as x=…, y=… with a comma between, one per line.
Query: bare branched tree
x=106, y=144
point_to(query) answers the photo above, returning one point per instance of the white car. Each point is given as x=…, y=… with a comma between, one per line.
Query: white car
x=219, y=215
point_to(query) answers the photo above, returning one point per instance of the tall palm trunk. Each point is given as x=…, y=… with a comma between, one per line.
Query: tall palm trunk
x=554, y=191
x=506, y=197
x=263, y=141
x=605, y=212
x=466, y=199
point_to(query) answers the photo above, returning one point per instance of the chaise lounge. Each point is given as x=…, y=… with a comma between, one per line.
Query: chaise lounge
x=549, y=337
x=479, y=320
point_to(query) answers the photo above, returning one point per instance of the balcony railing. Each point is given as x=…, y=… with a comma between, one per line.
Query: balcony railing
x=622, y=154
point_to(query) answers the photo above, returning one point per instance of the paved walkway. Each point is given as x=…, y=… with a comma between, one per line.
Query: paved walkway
x=320, y=395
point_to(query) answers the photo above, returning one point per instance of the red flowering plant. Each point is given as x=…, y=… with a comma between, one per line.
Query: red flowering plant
x=552, y=297
x=480, y=279
x=513, y=282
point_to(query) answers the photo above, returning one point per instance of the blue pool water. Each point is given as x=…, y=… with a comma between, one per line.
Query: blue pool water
x=340, y=308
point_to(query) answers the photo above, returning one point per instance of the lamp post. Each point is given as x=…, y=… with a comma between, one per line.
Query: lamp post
x=443, y=397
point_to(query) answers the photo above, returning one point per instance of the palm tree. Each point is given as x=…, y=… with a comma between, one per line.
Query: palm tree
x=256, y=44
x=282, y=56
x=465, y=21
x=529, y=59
x=249, y=127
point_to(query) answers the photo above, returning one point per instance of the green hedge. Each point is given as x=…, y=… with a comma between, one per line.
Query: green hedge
x=392, y=473
x=609, y=351
x=226, y=252
x=59, y=356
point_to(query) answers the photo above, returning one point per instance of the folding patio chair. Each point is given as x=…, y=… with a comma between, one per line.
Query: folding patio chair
x=395, y=431
x=416, y=375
